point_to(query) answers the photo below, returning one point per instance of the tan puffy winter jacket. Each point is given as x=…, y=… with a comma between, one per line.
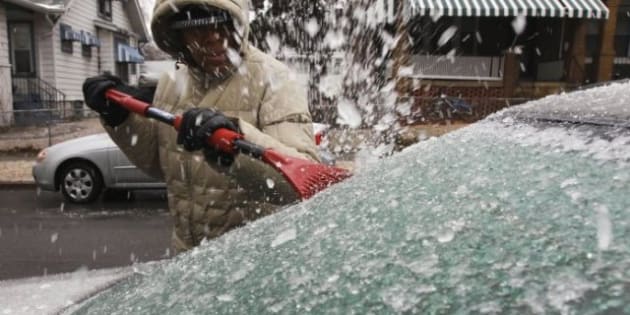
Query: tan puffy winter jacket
x=271, y=110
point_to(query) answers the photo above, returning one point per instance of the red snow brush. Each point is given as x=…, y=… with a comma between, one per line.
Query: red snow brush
x=306, y=177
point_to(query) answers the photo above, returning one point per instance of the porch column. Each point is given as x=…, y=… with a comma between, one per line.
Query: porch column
x=400, y=53
x=511, y=73
x=576, y=73
x=604, y=60
x=6, y=95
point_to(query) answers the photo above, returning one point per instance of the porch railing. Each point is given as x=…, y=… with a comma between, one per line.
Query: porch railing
x=456, y=67
x=35, y=100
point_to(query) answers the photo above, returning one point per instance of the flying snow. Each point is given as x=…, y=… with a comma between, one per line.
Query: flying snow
x=348, y=114
x=447, y=35
x=312, y=27
x=519, y=24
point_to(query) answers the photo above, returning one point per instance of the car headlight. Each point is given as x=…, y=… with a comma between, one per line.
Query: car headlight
x=41, y=155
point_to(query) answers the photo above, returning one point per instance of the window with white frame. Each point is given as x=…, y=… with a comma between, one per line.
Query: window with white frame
x=105, y=9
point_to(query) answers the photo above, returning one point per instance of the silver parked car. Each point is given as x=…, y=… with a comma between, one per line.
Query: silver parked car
x=82, y=168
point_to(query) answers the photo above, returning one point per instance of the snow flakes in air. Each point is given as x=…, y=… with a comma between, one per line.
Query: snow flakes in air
x=405, y=71
x=518, y=24
x=478, y=37
x=334, y=39
x=312, y=27
x=270, y=183
x=273, y=42
x=447, y=35
x=54, y=237
x=134, y=140
x=348, y=114
x=284, y=237
x=234, y=57
x=517, y=50
x=450, y=56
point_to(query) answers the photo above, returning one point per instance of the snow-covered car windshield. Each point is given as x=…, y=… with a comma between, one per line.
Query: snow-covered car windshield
x=499, y=217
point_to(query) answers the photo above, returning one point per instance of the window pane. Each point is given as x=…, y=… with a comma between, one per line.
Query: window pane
x=21, y=48
x=23, y=61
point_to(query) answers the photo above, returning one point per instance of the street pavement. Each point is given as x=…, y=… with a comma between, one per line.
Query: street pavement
x=41, y=234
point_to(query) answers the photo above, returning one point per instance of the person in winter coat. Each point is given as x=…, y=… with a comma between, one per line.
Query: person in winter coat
x=226, y=83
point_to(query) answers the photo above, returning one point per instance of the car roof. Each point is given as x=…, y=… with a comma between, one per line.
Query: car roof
x=600, y=105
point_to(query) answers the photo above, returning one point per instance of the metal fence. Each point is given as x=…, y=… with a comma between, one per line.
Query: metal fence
x=423, y=108
x=35, y=101
x=51, y=113
x=51, y=126
x=459, y=68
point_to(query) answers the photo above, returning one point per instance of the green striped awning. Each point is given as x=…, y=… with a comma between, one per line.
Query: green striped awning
x=589, y=9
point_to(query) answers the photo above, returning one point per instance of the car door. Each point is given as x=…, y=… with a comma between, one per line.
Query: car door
x=125, y=172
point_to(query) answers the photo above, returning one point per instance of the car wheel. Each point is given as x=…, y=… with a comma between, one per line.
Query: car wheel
x=80, y=182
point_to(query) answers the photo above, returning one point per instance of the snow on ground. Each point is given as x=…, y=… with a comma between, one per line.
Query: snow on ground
x=51, y=294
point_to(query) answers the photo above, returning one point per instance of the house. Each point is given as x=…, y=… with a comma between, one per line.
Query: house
x=49, y=47
x=500, y=50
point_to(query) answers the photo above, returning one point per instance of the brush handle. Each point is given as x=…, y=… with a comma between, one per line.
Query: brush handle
x=224, y=140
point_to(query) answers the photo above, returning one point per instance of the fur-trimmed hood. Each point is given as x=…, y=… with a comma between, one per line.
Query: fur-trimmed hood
x=168, y=39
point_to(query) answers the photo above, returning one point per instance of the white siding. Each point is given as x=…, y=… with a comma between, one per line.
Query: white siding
x=4, y=38
x=43, y=37
x=107, y=50
x=6, y=98
x=119, y=15
x=72, y=69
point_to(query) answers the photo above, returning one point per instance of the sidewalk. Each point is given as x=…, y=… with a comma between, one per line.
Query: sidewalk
x=19, y=146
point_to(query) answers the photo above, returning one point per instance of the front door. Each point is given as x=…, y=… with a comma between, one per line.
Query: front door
x=27, y=100
x=22, y=52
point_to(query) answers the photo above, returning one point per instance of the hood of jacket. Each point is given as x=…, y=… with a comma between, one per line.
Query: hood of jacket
x=169, y=40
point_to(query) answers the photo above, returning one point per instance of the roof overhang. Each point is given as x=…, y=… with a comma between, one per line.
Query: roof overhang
x=106, y=25
x=137, y=20
x=57, y=8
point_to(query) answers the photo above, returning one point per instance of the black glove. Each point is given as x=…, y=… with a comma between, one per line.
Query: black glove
x=94, y=89
x=197, y=126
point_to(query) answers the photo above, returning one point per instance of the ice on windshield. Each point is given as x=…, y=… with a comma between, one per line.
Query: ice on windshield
x=499, y=217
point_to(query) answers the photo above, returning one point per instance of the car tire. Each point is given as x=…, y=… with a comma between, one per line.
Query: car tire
x=80, y=182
